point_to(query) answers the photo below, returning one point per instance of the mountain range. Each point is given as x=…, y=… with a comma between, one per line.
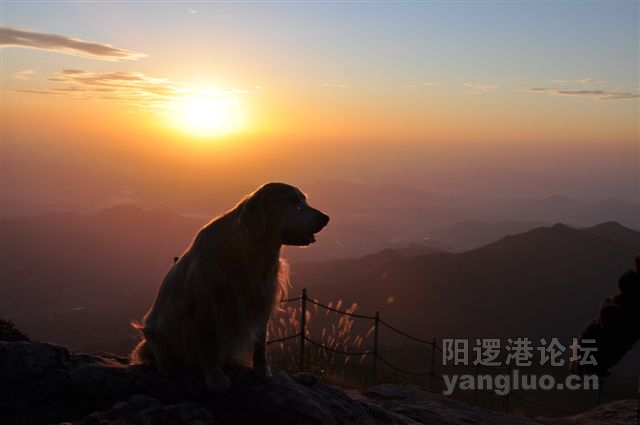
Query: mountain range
x=368, y=218
x=80, y=280
x=543, y=283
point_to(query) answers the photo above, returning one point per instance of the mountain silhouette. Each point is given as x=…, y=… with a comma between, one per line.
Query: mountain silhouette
x=470, y=234
x=615, y=232
x=79, y=280
x=542, y=283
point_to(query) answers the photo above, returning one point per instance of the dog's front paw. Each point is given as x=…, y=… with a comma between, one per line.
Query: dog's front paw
x=263, y=372
x=218, y=382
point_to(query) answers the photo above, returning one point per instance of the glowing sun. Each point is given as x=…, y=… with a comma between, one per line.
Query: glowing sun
x=207, y=114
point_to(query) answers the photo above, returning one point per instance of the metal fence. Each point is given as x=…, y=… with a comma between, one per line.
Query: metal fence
x=431, y=373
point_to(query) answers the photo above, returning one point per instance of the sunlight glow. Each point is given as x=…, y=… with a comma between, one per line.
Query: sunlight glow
x=206, y=113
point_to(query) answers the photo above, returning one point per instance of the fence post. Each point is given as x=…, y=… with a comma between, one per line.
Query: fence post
x=506, y=404
x=376, y=324
x=432, y=371
x=303, y=326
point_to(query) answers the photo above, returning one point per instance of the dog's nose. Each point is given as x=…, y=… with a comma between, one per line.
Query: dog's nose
x=324, y=219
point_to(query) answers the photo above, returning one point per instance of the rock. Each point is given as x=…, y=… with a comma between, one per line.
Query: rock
x=144, y=410
x=45, y=383
x=415, y=405
x=621, y=412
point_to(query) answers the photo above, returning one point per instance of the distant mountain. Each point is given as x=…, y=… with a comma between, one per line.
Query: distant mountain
x=567, y=210
x=471, y=234
x=370, y=218
x=542, y=283
x=367, y=218
x=79, y=280
x=415, y=250
x=615, y=232
x=69, y=276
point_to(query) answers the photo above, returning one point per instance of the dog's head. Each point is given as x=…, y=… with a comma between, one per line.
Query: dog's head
x=280, y=212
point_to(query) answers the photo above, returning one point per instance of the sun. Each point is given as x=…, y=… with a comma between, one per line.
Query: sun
x=206, y=113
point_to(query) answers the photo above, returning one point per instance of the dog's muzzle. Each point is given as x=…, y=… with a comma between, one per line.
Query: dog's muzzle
x=294, y=238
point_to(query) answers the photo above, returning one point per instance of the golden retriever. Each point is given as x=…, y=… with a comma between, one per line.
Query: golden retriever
x=215, y=302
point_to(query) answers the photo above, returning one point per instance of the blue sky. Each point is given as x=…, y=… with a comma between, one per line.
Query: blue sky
x=481, y=40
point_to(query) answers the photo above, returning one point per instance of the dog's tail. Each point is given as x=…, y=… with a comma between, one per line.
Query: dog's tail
x=141, y=354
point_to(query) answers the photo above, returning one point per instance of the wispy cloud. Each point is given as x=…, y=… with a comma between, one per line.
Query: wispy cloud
x=590, y=82
x=132, y=88
x=33, y=39
x=25, y=74
x=123, y=86
x=582, y=81
x=478, y=87
x=419, y=85
x=587, y=88
x=592, y=94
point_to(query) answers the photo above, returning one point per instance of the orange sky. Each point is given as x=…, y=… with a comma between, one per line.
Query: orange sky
x=429, y=95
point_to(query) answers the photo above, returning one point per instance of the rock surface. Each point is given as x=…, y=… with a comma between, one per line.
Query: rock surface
x=43, y=383
x=414, y=405
x=621, y=412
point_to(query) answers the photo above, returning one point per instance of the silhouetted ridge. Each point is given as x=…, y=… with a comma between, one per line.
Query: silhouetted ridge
x=616, y=329
x=614, y=231
x=8, y=332
x=566, y=236
x=557, y=235
x=498, y=290
x=384, y=255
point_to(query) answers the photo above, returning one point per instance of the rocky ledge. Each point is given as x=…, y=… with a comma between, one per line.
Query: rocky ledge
x=43, y=383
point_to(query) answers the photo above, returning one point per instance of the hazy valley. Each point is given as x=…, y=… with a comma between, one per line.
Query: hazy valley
x=80, y=279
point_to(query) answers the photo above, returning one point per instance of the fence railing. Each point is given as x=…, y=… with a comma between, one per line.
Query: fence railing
x=377, y=357
x=377, y=321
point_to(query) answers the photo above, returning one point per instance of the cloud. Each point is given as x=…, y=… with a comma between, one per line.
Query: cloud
x=590, y=81
x=131, y=88
x=419, y=85
x=593, y=94
x=124, y=86
x=582, y=81
x=617, y=95
x=33, y=39
x=25, y=74
x=478, y=88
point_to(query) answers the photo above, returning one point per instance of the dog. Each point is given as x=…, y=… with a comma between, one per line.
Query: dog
x=215, y=302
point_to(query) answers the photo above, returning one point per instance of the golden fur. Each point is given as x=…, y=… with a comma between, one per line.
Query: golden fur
x=215, y=302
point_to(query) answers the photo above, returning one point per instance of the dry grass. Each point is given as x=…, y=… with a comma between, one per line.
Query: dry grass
x=330, y=329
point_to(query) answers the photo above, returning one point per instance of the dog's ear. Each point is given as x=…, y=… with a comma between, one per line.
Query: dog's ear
x=253, y=214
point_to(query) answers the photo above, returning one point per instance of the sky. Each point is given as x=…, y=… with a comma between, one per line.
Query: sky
x=103, y=101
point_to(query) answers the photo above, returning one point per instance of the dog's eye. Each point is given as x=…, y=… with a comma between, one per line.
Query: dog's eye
x=295, y=201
